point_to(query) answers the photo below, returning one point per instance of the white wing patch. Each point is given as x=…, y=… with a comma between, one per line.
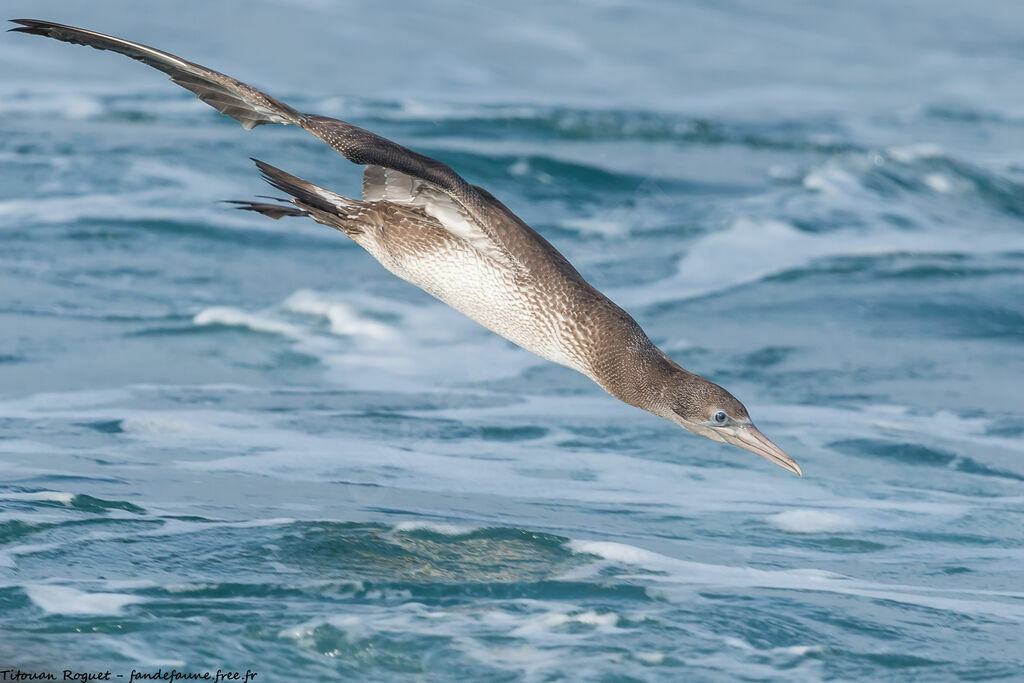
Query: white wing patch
x=385, y=184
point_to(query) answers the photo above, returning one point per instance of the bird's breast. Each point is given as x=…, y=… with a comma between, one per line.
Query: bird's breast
x=541, y=314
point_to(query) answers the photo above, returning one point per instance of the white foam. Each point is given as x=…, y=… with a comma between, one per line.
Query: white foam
x=910, y=153
x=169, y=182
x=544, y=626
x=594, y=619
x=343, y=319
x=437, y=528
x=528, y=629
x=529, y=660
x=938, y=182
x=259, y=445
x=617, y=552
x=130, y=584
x=805, y=521
x=403, y=348
x=520, y=168
x=671, y=572
x=831, y=179
x=8, y=555
x=802, y=650
x=49, y=496
x=215, y=428
x=66, y=600
x=304, y=632
x=136, y=650
x=70, y=106
x=233, y=317
x=46, y=402
x=883, y=419
x=750, y=250
x=674, y=569
x=159, y=424
x=653, y=658
x=415, y=109
x=189, y=587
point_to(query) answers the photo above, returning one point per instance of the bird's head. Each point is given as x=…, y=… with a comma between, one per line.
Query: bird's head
x=705, y=408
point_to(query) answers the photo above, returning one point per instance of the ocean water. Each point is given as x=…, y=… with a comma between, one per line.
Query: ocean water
x=233, y=443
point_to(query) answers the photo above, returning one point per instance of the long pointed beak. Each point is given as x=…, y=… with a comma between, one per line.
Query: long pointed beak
x=750, y=437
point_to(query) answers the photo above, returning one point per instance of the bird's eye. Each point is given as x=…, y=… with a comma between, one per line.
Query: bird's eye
x=719, y=417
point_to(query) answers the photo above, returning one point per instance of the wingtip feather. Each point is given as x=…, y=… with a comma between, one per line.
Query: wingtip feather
x=34, y=26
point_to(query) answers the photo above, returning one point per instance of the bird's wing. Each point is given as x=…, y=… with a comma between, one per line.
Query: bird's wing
x=242, y=102
x=471, y=215
x=387, y=184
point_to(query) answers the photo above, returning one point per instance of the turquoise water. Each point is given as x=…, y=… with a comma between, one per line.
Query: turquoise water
x=228, y=442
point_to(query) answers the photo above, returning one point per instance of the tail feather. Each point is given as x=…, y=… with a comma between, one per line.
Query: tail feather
x=305, y=191
x=310, y=200
x=274, y=211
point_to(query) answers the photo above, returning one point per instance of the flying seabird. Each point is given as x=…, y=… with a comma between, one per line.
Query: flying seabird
x=427, y=225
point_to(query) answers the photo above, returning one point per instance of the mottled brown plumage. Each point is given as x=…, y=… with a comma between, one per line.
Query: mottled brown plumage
x=427, y=225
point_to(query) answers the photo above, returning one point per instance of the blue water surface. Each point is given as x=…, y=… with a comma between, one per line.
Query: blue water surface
x=228, y=442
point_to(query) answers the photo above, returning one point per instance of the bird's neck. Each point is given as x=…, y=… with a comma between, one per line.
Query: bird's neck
x=640, y=376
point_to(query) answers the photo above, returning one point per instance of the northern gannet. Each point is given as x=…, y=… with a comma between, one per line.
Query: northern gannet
x=457, y=242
